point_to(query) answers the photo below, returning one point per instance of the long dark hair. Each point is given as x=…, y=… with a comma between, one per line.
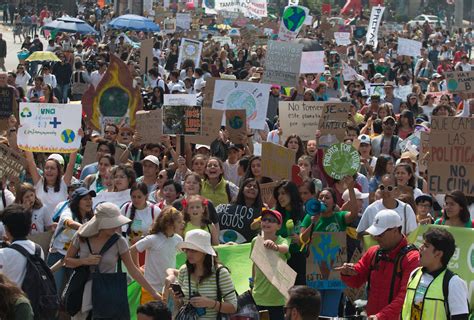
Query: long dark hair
x=57, y=183
x=51, y=94
x=459, y=197
x=74, y=207
x=144, y=189
x=300, y=150
x=240, y=200
x=297, y=212
x=248, y=172
x=408, y=168
x=410, y=116
x=9, y=294
x=381, y=165
x=210, y=265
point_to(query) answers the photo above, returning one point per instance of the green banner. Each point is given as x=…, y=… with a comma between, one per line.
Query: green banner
x=462, y=261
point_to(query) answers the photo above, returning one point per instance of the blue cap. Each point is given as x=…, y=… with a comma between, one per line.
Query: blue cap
x=81, y=192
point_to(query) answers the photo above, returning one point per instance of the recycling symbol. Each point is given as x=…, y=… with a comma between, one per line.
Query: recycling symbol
x=25, y=113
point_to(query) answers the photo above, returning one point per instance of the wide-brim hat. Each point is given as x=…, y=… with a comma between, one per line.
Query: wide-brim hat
x=198, y=240
x=106, y=216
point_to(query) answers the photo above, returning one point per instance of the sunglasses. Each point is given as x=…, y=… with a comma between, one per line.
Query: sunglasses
x=271, y=220
x=389, y=188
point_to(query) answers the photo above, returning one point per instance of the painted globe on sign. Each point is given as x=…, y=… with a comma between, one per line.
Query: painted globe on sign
x=210, y=3
x=114, y=102
x=236, y=122
x=242, y=100
x=68, y=136
x=452, y=84
x=293, y=18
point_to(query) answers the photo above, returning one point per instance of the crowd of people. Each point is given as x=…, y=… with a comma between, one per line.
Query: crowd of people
x=178, y=200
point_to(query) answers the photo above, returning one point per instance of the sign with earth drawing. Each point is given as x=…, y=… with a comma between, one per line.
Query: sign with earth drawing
x=253, y=97
x=236, y=125
x=49, y=127
x=292, y=20
x=341, y=160
x=114, y=98
x=461, y=82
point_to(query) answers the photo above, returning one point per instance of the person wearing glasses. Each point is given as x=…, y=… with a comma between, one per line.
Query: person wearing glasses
x=387, y=142
x=387, y=191
x=387, y=266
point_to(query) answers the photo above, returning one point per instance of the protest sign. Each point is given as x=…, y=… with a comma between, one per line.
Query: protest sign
x=451, y=164
x=411, y=142
x=292, y=20
x=146, y=55
x=275, y=269
x=355, y=293
x=90, y=152
x=373, y=28
x=300, y=117
x=183, y=21
x=190, y=49
x=149, y=125
x=114, y=98
x=342, y=38
x=8, y=106
x=280, y=169
x=266, y=189
x=312, y=62
x=49, y=127
x=327, y=251
x=253, y=97
x=235, y=221
x=283, y=62
x=211, y=123
x=236, y=124
x=11, y=162
x=402, y=92
x=117, y=198
x=461, y=82
x=341, y=160
x=169, y=25
x=183, y=120
x=248, y=8
x=333, y=123
x=210, y=87
x=222, y=40
x=408, y=47
x=180, y=99
x=348, y=73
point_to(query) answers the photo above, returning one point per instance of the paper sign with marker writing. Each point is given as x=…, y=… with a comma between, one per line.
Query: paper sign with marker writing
x=373, y=27
x=49, y=127
x=277, y=161
x=461, y=82
x=312, y=62
x=283, y=63
x=149, y=125
x=292, y=20
x=180, y=99
x=300, y=117
x=342, y=38
x=11, y=162
x=183, y=21
x=333, y=123
x=348, y=72
x=146, y=55
x=408, y=47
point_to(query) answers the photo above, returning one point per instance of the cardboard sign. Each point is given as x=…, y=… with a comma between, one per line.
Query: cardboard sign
x=333, y=123
x=211, y=123
x=266, y=189
x=348, y=73
x=327, y=251
x=275, y=269
x=50, y=127
x=342, y=38
x=451, y=164
x=253, y=97
x=283, y=62
x=169, y=25
x=355, y=293
x=146, y=55
x=408, y=47
x=210, y=86
x=189, y=49
x=461, y=82
x=300, y=117
x=11, y=162
x=277, y=161
x=236, y=124
x=373, y=28
x=89, y=155
x=182, y=120
x=341, y=160
x=293, y=19
x=312, y=62
x=7, y=106
x=149, y=125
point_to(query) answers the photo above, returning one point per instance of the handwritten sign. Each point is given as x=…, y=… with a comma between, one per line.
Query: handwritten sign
x=283, y=62
x=49, y=127
x=211, y=123
x=300, y=117
x=461, y=82
x=183, y=21
x=341, y=160
x=312, y=62
x=451, y=163
x=235, y=221
x=180, y=99
x=373, y=27
x=280, y=169
x=183, y=120
x=189, y=50
x=149, y=125
x=333, y=123
x=146, y=55
x=342, y=38
x=408, y=47
x=11, y=162
x=236, y=124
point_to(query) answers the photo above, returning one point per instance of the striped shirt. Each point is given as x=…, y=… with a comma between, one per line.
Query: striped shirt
x=208, y=288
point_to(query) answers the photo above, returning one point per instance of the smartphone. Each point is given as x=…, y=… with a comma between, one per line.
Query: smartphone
x=177, y=289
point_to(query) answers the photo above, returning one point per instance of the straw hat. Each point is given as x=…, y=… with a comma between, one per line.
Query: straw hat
x=106, y=216
x=198, y=240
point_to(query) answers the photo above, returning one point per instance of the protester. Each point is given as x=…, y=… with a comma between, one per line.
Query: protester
x=13, y=302
x=304, y=303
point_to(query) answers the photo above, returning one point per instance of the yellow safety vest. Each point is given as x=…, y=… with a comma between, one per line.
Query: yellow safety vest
x=433, y=306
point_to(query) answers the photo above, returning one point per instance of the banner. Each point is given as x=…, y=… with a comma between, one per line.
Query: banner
x=248, y=8
x=282, y=63
x=327, y=251
x=408, y=47
x=277, y=161
x=291, y=22
x=182, y=120
x=461, y=82
x=373, y=28
x=253, y=97
x=451, y=164
x=341, y=160
x=312, y=62
x=117, y=198
x=236, y=125
x=189, y=49
x=300, y=117
x=49, y=127
x=149, y=125
x=11, y=162
x=333, y=123
x=342, y=38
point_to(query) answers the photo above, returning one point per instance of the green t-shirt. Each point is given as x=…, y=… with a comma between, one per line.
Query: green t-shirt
x=294, y=248
x=264, y=293
x=335, y=223
x=23, y=310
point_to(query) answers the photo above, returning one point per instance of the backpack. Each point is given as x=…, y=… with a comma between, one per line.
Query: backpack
x=39, y=284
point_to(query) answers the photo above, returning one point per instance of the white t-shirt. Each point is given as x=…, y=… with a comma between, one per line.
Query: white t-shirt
x=62, y=237
x=402, y=209
x=457, y=289
x=160, y=255
x=143, y=219
x=51, y=199
x=9, y=199
x=40, y=220
x=13, y=263
x=231, y=172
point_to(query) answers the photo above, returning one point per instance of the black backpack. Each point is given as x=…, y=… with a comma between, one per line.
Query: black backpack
x=39, y=284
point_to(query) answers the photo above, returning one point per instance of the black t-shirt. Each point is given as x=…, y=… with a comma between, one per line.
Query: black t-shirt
x=235, y=221
x=178, y=204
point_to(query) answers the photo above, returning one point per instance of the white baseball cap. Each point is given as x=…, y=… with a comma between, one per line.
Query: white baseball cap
x=56, y=156
x=153, y=159
x=359, y=195
x=385, y=219
x=199, y=146
x=363, y=138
